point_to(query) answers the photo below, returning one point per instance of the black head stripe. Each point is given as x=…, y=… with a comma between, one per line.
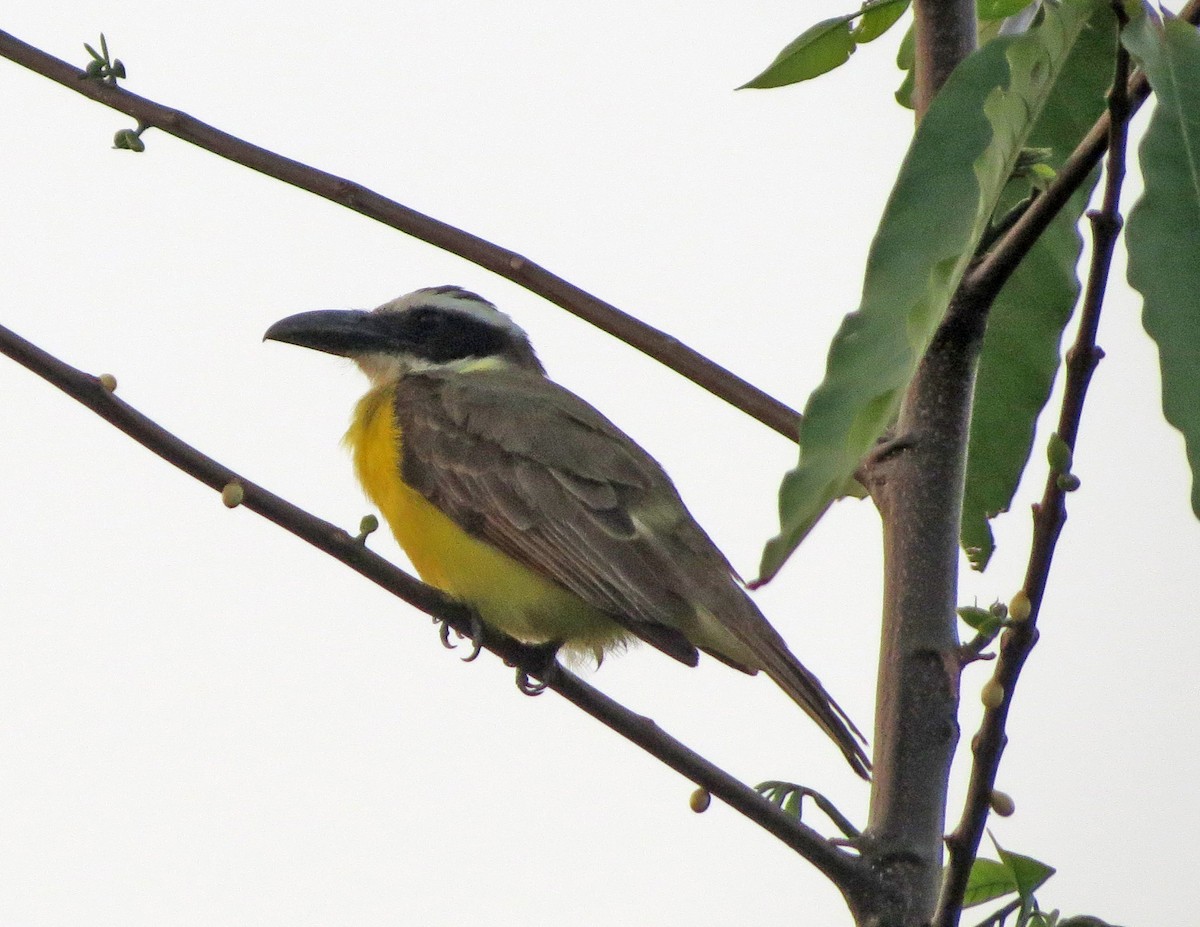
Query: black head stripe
x=441, y=335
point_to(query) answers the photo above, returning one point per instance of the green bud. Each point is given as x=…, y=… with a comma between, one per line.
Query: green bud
x=1067, y=482
x=108, y=381
x=700, y=800
x=1040, y=173
x=233, y=494
x=1002, y=803
x=117, y=69
x=1019, y=607
x=992, y=694
x=129, y=140
x=94, y=69
x=1058, y=453
x=368, y=524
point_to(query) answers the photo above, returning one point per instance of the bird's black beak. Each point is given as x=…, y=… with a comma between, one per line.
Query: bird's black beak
x=335, y=331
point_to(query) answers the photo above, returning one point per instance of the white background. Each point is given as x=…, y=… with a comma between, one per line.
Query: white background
x=204, y=721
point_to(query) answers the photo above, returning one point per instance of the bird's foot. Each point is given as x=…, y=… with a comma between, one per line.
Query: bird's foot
x=533, y=673
x=475, y=637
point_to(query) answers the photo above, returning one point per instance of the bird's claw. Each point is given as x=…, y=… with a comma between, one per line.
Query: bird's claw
x=527, y=685
x=475, y=637
x=540, y=666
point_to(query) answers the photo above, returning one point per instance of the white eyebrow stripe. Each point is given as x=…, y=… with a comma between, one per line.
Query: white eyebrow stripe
x=454, y=299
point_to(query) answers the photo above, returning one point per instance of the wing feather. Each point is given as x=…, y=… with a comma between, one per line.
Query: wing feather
x=533, y=469
x=547, y=479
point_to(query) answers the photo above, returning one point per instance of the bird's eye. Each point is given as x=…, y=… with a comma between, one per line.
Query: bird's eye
x=426, y=322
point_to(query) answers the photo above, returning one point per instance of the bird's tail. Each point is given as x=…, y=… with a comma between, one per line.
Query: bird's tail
x=761, y=647
x=806, y=691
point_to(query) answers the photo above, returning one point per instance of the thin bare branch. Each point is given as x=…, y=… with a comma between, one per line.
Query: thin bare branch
x=1050, y=514
x=844, y=869
x=781, y=793
x=657, y=344
x=997, y=918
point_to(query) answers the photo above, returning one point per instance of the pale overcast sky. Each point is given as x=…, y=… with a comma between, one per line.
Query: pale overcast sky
x=203, y=721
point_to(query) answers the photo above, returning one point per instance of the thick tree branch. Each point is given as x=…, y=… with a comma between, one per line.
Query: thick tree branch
x=844, y=869
x=918, y=490
x=918, y=680
x=1050, y=514
x=657, y=344
x=945, y=33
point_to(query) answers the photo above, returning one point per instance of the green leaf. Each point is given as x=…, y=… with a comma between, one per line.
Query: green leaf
x=982, y=620
x=1028, y=874
x=949, y=187
x=818, y=49
x=1020, y=355
x=904, y=92
x=906, y=54
x=999, y=9
x=828, y=44
x=988, y=879
x=1162, y=230
x=878, y=18
x=905, y=58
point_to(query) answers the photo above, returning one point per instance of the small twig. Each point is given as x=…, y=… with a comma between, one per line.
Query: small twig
x=1050, y=514
x=657, y=344
x=779, y=792
x=842, y=868
x=973, y=650
x=997, y=917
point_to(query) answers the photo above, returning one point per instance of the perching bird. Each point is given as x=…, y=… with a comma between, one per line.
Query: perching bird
x=513, y=495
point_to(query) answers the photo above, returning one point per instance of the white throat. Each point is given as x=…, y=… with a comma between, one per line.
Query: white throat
x=385, y=369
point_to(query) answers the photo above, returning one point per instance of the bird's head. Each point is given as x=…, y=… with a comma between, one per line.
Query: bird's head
x=436, y=327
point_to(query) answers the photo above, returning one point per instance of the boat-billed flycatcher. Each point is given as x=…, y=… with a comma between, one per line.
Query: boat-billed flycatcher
x=517, y=497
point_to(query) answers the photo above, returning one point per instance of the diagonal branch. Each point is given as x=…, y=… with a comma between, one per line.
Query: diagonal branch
x=657, y=344
x=983, y=281
x=1050, y=514
x=842, y=868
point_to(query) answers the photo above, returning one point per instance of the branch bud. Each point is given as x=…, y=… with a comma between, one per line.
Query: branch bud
x=699, y=800
x=1019, y=607
x=233, y=494
x=1002, y=803
x=992, y=694
x=129, y=140
x=1067, y=482
x=1058, y=453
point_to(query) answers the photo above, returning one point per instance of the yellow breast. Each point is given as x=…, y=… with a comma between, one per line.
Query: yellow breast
x=508, y=595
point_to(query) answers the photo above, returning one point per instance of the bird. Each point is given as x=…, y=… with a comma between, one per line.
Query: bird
x=515, y=496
